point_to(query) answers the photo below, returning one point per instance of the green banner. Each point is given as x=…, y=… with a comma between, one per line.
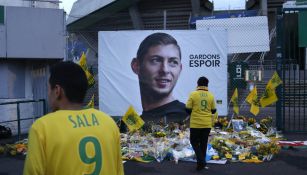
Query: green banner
x=302, y=28
x=1, y=15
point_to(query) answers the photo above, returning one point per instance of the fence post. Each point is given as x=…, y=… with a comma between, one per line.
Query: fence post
x=44, y=106
x=279, y=56
x=18, y=121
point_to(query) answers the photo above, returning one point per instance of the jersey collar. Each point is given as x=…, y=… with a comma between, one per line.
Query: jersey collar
x=204, y=88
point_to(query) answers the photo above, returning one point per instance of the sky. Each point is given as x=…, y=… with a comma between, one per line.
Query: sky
x=67, y=4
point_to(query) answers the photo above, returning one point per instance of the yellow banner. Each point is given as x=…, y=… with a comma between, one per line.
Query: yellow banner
x=252, y=99
x=144, y=159
x=252, y=96
x=215, y=117
x=254, y=109
x=132, y=119
x=235, y=102
x=91, y=103
x=89, y=76
x=274, y=81
x=269, y=97
x=82, y=61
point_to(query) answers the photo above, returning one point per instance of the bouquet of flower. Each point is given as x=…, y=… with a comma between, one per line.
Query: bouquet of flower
x=251, y=121
x=220, y=145
x=267, y=121
x=266, y=151
x=18, y=148
x=222, y=122
x=2, y=149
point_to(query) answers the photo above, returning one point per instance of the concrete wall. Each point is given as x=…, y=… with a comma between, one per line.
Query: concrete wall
x=13, y=74
x=18, y=89
x=28, y=37
x=36, y=33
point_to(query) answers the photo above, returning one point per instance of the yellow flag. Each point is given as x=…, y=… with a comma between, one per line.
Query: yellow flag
x=214, y=118
x=234, y=100
x=274, y=81
x=89, y=76
x=269, y=97
x=82, y=62
x=252, y=95
x=91, y=103
x=144, y=159
x=254, y=109
x=132, y=119
x=252, y=99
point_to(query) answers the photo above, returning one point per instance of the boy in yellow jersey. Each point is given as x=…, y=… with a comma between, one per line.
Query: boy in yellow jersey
x=200, y=106
x=72, y=140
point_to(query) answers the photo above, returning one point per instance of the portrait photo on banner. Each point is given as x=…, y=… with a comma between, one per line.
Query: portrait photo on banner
x=154, y=71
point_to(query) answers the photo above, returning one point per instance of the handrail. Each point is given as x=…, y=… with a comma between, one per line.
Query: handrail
x=22, y=101
x=18, y=112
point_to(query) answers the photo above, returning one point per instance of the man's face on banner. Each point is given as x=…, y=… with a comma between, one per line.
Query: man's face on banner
x=160, y=69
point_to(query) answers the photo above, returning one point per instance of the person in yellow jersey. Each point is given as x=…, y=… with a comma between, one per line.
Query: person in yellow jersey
x=201, y=107
x=72, y=140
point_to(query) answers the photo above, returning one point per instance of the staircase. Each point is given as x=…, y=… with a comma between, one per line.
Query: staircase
x=177, y=14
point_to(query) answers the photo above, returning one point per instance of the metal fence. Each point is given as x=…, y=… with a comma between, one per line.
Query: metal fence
x=290, y=111
x=38, y=109
x=291, y=65
x=245, y=85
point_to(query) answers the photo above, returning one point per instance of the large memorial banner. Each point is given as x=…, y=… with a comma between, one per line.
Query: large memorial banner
x=170, y=69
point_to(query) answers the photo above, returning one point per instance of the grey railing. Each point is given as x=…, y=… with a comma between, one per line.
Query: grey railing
x=19, y=119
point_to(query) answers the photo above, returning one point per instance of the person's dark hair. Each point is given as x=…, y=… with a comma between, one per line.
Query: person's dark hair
x=202, y=81
x=71, y=77
x=154, y=40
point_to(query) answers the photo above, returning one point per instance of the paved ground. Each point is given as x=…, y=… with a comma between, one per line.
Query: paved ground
x=288, y=162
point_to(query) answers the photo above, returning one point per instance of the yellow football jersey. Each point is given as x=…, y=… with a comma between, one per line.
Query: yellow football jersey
x=74, y=142
x=201, y=102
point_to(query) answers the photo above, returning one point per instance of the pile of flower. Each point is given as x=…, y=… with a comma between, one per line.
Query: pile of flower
x=256, y=142
x=263, y=126
x=18, y=148
x=249, y=145
x=154, y=142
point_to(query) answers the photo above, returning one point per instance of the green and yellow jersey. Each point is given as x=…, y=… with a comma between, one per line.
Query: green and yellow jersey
x=74, y=142
x=201, y=102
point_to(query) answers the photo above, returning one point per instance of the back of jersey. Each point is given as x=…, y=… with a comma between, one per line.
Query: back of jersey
x=74, y=142
x=201, y=102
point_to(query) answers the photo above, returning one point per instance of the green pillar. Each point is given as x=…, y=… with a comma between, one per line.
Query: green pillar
x=302, y=28
x=1, y=15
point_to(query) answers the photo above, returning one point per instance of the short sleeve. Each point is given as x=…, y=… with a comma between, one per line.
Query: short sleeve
x=35, y=160
x=189, y=103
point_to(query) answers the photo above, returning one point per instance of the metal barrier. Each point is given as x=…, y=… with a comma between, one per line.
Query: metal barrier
x=18, y=120
x=291, y=109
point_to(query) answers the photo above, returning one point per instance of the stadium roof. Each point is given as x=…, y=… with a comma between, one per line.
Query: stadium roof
x=85, y=13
